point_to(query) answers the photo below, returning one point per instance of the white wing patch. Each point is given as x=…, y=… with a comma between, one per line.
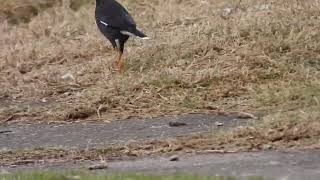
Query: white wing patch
x=127, y=33
x=130, y=34
x=106, y=24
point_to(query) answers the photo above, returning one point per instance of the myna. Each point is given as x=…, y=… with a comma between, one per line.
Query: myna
x=117, y=25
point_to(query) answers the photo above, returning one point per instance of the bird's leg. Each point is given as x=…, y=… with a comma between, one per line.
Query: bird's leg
x=120, y=62
x=117, y=56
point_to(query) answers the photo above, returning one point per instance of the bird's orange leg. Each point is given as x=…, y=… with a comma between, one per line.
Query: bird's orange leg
x=117, y=57
x=119, y=62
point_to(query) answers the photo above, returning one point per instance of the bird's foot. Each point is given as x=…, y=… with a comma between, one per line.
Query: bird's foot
x=119, y=67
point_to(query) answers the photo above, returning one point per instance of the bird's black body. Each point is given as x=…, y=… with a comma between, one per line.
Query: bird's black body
x=115, y=23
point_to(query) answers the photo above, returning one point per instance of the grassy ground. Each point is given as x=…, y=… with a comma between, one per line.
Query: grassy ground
x=86, y=176
x=210, y=55
x=259, y=57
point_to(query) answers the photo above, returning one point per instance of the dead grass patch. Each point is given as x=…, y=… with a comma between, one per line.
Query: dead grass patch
x=16, y=12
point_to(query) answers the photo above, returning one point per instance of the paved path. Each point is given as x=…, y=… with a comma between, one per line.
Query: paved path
x=293, y=165
x=88, y=135
x=290, y=165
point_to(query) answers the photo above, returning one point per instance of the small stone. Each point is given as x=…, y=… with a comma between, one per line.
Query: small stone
x=176, y=124
x=227, y=11
x=174, y=158
x=68, y=77
x=267, y=146
x=219, y=124
x=98, y=167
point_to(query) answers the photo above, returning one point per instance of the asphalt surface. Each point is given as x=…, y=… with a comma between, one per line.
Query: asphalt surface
x=277, y=165
x=290, y=165
x=90, y=135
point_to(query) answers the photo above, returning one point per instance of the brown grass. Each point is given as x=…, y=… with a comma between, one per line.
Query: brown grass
x=262, y=56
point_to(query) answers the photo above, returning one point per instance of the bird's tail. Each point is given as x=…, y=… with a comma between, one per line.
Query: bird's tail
x=137, y=33
x=140, y=34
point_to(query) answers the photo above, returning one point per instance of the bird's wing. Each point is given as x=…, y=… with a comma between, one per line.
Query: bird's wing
x=117, y=18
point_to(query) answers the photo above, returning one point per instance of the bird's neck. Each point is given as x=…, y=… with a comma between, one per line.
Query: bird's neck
x=103, y=2
x=99, y=2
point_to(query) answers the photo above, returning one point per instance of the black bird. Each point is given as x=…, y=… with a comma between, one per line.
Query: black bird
x=116, y=24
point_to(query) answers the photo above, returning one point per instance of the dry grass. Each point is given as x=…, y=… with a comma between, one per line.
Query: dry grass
x=262, y=56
